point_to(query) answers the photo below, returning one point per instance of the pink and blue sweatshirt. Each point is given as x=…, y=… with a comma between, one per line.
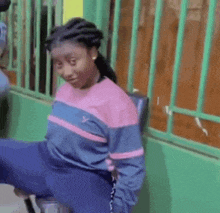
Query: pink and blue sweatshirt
x=97, y=129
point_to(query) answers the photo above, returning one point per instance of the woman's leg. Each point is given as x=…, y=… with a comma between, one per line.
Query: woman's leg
x=22, y=166
x=82, y=191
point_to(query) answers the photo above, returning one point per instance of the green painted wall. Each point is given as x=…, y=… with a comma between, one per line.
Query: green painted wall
x=178, y=180
x=27, y=117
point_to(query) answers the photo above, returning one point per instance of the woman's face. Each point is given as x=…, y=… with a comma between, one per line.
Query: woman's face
x=75, y=64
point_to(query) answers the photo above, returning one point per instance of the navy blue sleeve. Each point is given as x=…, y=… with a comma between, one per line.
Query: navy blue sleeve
x=128, y=159
x=4, y=84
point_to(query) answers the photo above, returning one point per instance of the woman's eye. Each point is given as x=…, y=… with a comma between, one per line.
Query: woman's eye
x=58, y=65
x=73, y=62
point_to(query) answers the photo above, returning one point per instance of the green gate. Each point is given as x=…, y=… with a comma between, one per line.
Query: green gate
x=29, y=66
x=26, y=44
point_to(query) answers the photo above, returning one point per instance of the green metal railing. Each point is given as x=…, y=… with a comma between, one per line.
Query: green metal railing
x=115, y=33
x=28, y=44
x=10, y=37
x=134, y=36
x=38, y=22
x=102, y=13
x=23, y=59
x=49, y=27
x=178, y=57
x=168, y=135
x=19, y=43
x=205, y=66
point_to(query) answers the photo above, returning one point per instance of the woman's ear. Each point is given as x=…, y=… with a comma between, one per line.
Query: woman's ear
x=94, y=53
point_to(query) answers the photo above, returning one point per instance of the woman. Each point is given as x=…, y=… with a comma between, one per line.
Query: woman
x=92, y=130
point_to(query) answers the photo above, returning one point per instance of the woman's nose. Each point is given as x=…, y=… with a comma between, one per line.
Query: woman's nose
x=67, y=72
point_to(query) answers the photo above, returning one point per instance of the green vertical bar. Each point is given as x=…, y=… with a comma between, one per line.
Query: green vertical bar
x=105, y=27
x=89, y=10
x=58, y=22
x=28, y=44
x=10, y=36
x=99, y=13
x=115, y=33
x=59, y=12
x=49, y=26
x=102, y=12
x=206, y=54
x=35, y=30
x=19, y=45
x=2, y=16
x=38, y=23
x=156, y=34
x=153, y=61
x=179, y=50
x=134, y=38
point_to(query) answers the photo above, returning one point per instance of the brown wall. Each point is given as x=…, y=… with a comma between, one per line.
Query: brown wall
x=190, y=70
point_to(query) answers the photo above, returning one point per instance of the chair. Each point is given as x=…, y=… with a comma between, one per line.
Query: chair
x=50, y=205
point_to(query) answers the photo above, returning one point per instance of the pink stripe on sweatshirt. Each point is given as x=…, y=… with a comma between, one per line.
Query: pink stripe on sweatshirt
x=136, y=153
x=76, y=130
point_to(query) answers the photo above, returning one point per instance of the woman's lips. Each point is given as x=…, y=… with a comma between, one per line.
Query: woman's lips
x=73, y=80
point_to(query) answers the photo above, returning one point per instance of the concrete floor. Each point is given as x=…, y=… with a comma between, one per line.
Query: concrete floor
x=10, y=203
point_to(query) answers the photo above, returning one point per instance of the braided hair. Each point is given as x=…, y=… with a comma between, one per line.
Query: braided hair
x=78, y=30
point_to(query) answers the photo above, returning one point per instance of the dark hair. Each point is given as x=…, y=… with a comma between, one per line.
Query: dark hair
x=4, y=5
x=78, y=30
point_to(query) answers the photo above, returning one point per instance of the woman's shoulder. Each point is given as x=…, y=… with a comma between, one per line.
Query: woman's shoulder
x=115, y=93
x=119, y=106
x=106, y=101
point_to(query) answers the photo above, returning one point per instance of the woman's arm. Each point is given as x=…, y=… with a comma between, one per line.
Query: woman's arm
x=127, y=157
x=4, y=84
x=131, y=176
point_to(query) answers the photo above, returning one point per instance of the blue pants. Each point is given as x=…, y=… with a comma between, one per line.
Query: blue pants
x=83, y=191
